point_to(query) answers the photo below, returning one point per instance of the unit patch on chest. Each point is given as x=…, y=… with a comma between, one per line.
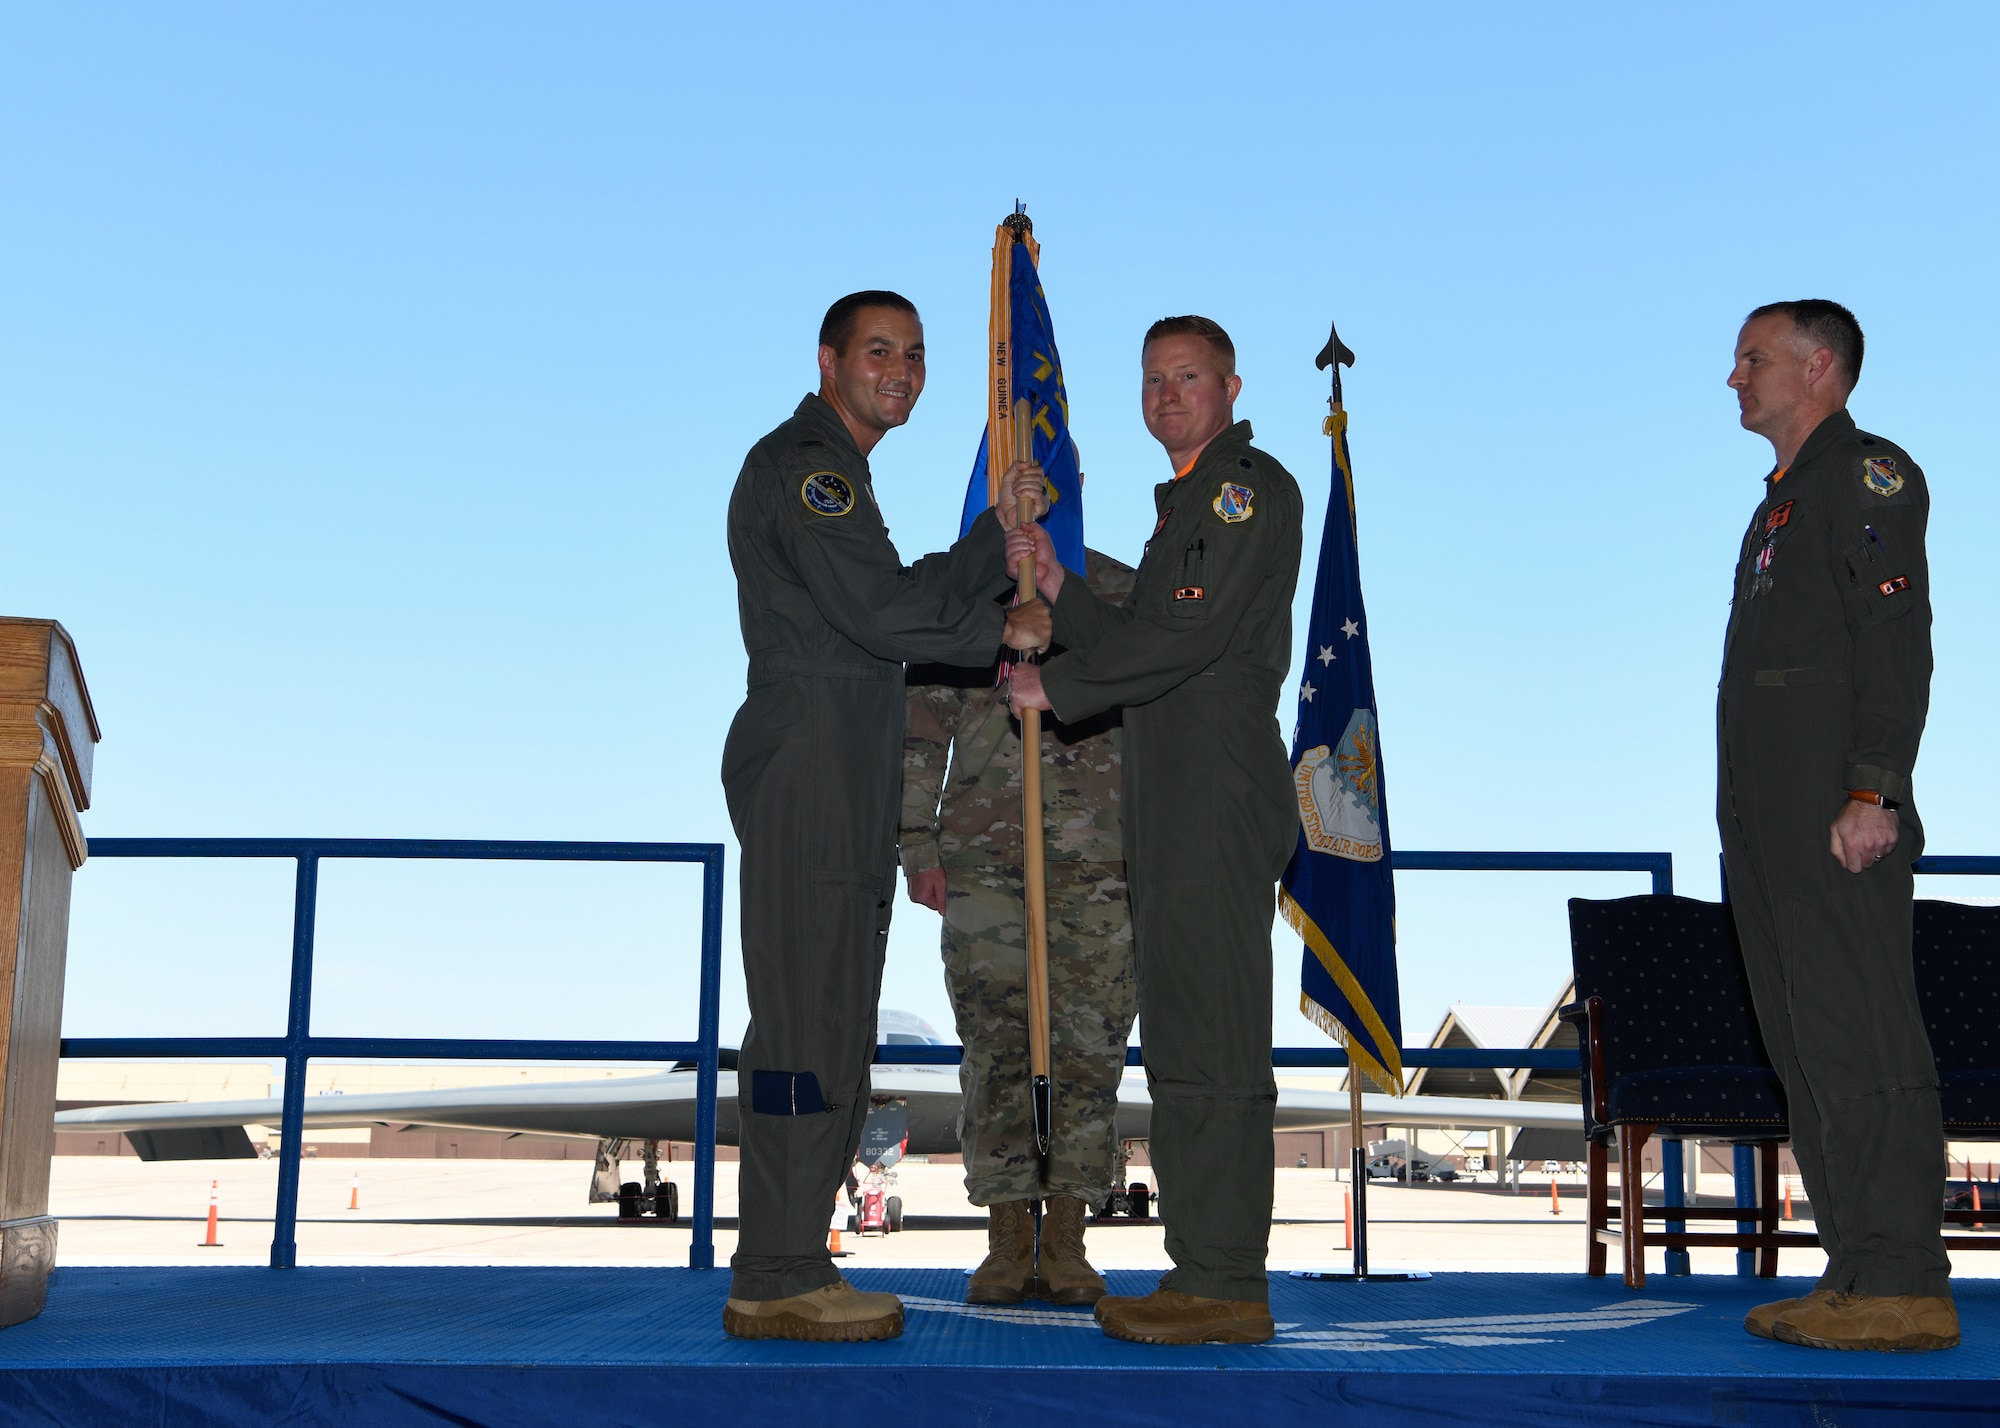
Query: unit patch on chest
x=827, y=493
x=1879, y=474
x=1778, y=519
x=1232, y=503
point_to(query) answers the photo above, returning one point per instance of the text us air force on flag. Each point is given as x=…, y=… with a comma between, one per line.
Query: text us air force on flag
x=1025, y=364
x=1338, y=892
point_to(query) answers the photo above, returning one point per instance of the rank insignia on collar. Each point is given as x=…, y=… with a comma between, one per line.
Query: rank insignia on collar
x=827, y=493
x=1779, y=517
x=1233, y=503
x=1879, y=474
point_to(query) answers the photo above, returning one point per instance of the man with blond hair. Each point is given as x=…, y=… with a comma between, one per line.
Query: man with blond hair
x=1197, y=657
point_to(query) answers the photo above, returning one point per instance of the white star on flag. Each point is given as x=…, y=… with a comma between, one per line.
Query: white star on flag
x=1307, y=692
x=1350, y=629
x=1326, y=654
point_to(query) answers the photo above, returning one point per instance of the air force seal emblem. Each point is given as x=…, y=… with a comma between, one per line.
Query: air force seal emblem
x=1340, y=796
x=1879, y=474
x=826, y=493
x=1233, y=503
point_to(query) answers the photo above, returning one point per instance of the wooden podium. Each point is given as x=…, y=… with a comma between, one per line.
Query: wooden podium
x=47, y=732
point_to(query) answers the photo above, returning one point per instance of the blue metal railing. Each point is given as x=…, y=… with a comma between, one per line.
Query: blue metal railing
x=298, y=1045
x=1659, y=865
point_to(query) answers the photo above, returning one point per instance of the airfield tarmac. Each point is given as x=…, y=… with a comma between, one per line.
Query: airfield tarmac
x=118, y=1210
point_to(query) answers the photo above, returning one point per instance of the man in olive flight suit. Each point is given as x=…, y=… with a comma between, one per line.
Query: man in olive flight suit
x=1825, y=682
x=1197, y=657
x=812, y=769
x=962, y=849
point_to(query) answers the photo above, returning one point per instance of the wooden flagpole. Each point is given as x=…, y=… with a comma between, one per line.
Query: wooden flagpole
x=1031, y=828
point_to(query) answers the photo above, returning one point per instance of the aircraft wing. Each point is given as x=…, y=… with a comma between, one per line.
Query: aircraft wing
x=661, y=1107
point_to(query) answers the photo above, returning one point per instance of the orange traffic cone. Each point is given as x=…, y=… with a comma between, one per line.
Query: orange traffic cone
x=833, y=1241
x=1347, y=1221
x=354, y=1195
x=1788, y=1199
x=211, y=1242
x=1555, y=1198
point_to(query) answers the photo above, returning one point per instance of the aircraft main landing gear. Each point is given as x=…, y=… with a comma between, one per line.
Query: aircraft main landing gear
x=1134, y=1202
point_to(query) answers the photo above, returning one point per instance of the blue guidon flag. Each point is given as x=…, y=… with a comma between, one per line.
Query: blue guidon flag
x=1022, y=362
x=1338, y=893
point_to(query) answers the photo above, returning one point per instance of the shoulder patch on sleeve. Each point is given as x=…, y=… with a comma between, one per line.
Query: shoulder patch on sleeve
x=827, y=493
x=1879, y=474
x=1233, y=503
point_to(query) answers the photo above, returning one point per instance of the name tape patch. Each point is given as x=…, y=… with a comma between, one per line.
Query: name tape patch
x=1191, y=592
x=827, y=493
x=1894, y=584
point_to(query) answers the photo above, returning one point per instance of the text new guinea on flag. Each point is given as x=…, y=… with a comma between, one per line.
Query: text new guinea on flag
x=1338, y=892
x=1023, y=361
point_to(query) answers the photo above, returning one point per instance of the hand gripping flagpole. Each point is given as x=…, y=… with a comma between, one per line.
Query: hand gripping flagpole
x=1012, y=435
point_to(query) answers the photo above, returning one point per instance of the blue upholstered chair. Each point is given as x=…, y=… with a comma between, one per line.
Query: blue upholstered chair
x=1958, y=985
x=1669, y=1044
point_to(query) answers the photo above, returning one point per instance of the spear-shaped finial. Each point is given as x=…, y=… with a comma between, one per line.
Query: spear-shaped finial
x=1336, y=354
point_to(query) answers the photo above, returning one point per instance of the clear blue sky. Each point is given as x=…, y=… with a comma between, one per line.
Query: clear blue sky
x=372, y=380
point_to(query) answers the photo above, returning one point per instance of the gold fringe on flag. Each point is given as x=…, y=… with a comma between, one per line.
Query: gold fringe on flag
x=1389, y=1077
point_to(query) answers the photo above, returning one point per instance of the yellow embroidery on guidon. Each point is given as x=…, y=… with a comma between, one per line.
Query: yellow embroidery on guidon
x=1879, y=474
x=827, y=493
x=1233, y=503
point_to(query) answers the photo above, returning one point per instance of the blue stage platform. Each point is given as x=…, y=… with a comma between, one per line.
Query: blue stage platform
x=643, y=1347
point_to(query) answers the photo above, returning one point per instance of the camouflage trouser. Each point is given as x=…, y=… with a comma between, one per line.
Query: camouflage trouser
x=1092, y=1001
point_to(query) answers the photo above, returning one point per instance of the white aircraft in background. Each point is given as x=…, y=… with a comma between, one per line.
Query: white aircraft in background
x=916, y=1106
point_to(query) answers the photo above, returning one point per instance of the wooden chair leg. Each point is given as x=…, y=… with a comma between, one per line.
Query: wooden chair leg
x=1767, y=1205
x=1632, y=1201
x=1597, y=1164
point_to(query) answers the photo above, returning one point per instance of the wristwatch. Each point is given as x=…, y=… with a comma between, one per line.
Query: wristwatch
x=1869, y=795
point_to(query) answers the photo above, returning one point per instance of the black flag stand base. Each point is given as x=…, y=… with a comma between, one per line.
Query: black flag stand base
x=1358, y=1159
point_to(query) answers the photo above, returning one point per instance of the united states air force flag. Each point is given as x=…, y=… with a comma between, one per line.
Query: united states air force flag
x=1338, y=893
x=1023, y=363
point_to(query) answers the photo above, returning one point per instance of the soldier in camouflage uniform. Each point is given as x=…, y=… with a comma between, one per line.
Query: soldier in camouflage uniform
x=961, y=845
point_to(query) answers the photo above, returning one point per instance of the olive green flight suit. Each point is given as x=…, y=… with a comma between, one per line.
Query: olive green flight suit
x=812, y=769
x=1825, y=683
x=1197, y=656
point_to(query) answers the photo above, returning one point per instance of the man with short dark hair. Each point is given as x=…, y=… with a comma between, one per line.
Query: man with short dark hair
x=1197, y=657
x=1825, y=683
x=812, y=771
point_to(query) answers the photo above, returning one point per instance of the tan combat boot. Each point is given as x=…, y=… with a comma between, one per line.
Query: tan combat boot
x=1760, y=1321
x=836, y=1313
x=1007, y=1273
x=1066, y=1275
x=1168, y=1316
x=1887, y=1323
